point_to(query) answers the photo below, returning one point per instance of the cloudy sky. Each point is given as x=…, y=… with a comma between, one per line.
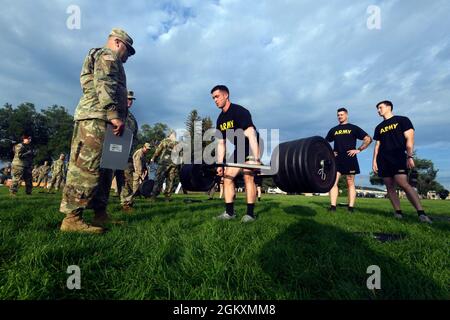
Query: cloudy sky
x=292, y=63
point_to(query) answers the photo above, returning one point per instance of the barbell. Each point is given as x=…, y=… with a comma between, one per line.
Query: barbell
x=299, y=166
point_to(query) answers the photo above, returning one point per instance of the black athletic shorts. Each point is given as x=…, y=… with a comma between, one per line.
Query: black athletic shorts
x=391, y=163
x=243, y=157
x=258, y=180
x=347, y=165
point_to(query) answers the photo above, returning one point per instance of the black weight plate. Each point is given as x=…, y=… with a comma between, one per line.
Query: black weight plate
x=146, y=188
x=320, y=178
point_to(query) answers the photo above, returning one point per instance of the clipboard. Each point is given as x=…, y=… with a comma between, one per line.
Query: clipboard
x=116, y=149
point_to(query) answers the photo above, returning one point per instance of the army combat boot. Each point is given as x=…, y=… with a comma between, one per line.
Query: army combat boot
x=74, y=223
x=127, y=207
x=101, y=219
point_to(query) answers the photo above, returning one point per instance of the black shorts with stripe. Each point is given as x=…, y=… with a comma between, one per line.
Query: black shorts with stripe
x=391, y=163
x=347, y=165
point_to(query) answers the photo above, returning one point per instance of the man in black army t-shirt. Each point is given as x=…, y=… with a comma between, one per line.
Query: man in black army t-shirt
x=393, y=156
x=344, y=136
x=235, y=124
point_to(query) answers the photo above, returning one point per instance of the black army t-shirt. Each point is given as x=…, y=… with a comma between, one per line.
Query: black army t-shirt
x=344, y=137
x=236, y=117
x=390, y=133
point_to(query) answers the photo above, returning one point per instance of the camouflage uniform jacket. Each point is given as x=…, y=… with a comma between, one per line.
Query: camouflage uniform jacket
x=44, y=170
x=23, y=156
x=35, y=172
x=104, y=87
x=164, y=150
x=139, y=161
x=58, y=167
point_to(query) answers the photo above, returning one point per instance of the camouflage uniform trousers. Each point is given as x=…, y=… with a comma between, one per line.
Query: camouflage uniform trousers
x=57, y=180
x=20, y=173
x=120, y=180
x=42, y=178
x=87, y=186
x=34, y=176
x=126, y=192
x=137, y=180
x=166, y=171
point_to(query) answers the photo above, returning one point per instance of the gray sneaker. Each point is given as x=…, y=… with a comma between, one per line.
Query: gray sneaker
x=247, y=218
x=425, y=218
x=398, y=215
x=225, y=216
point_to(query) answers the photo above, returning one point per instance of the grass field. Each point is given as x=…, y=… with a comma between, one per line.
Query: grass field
x=295, y=250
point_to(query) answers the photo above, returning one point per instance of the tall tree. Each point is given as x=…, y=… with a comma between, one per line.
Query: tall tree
x=193, y=129
x=59, y=127
x=206, y=125
x=426, y=180
x=153, y=135
x=22, y=120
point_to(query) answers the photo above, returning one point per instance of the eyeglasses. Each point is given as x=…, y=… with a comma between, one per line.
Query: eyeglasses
x=126, y=46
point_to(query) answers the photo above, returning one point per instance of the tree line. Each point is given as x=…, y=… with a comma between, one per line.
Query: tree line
x=51, y=130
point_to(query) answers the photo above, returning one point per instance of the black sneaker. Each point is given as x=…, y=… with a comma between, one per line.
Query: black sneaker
x=398, y=215
x=332, y=209
x=424, y=218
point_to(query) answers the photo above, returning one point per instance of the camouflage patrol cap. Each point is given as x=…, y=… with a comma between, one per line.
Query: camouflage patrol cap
x=147, y=145
x=123, y=36
x=131, y=95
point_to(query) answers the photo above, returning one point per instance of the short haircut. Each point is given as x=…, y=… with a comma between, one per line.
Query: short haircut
x=220, y=87
x=386, y=103
x=26, y=136
x=342, y=109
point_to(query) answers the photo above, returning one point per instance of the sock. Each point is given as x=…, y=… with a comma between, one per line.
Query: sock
x=229, y=208
x=250, y=207
x=399, y=212
x=350, y=209
x=421, y=212
x=332, y=208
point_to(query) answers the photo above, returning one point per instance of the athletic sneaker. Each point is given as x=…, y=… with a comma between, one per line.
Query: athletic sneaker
x=225, y=216
x=247, y=218
x=425, y=218
x=398, y=215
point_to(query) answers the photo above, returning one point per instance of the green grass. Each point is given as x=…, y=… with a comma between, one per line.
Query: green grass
x=295, y=250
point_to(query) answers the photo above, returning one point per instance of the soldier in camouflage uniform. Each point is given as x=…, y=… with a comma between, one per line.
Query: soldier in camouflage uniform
x=58, y=172
x=124, y=178
x=35, y=173
x=167, y=169
x=140, y=170
x=22, y=166
x=44, y=170
x=5, y=174
x=104, y=101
